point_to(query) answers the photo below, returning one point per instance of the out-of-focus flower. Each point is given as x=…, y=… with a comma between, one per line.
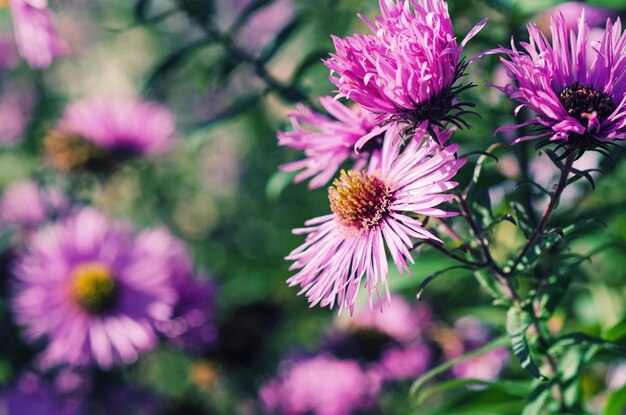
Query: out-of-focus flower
x=571, y=11
x=191, y=325
x=37, y=40
x=409, y=68
x=470, y=334
x=15, y=108
x=25, y=204
x=577, y=104
x=328, y=142
x=401, y=320
x=370, y=213
x=8, y=52
x=403, y=362
x=261, y=27
x=321, y=385
x=92, y=290
x=35, y=396
x=95, y=134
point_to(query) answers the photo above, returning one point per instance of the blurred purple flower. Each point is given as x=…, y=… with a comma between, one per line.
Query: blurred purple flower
x=25, y=204
x=37, y=40
x=401, y=321
x=402, y=362
x=572, y=11
x=92, y=290
x=191, y=325
x=34, y=396
x=577, y=104
x=8, y=52
x=15, y=108
x=472, y=334
x=93, y=130
x=321, y=385
x=370, y=212
x=261, y=26
x=328, y=142
x=408, y=68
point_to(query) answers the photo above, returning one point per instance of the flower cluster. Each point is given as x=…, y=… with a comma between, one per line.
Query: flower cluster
x=362, y=356
x=404, y=81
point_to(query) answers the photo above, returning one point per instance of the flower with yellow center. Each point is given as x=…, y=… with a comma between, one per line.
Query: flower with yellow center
x=93, y=287
x=67, y=152
x=359, y=199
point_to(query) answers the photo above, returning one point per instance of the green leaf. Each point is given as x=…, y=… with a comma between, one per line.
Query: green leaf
x=523, y=220
x=571, y=339
x=616, y=404
x=431, y=277
x=616, y=332
x=277, y=183
x=141, y=10
x=422, y=380
x=514, y=388
x=479, y=166
x=492, y=287
x=281, y=38
x=551, y=296
x=516, y=326
x=538, y=398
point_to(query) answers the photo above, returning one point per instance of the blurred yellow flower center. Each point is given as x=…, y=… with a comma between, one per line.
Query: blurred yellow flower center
x=93, y=287
x=359, y=200
x=4, y=4
x=67, y=152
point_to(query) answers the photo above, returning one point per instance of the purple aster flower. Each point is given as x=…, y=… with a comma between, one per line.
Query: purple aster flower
x=35, y=396
x=372, y=210
x=37, y=40
x=92, y=133
x=92, y=290
x=402, y=321
x=572, y=10
x=328, y=142
x=15, y=113
x=8, y=52
x=577, y=93
x=321, y=385
x=471, y=334
x=402, y=362
x=408, y=68
x=25, y=204
x=191, y=325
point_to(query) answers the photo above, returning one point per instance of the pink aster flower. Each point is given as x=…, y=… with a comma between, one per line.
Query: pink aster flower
x=92, y=290
x=37, y=40
x=408, y=68
x=321, y=385
x=470, y=335
x=374, y=210
x=572, y=10
x=329, y=141
x=95, y=131
x=578, y=94
x=25, y=204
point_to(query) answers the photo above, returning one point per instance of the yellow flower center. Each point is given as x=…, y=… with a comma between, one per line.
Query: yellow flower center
x=93, y=287
x=67, y=152
x=4, y=4
x=359, y=200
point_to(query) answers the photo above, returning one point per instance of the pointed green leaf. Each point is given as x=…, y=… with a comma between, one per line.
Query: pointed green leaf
x=516, y=326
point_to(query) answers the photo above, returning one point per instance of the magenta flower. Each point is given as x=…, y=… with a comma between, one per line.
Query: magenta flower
x=470, y=335
x=321, y=385
x=578, y=102
x=95, y=131
x=372, y=210
x=92, y=290
x=37, y=40
x=402, y=362
x=191, y=325
x=25, y=204
x=329, y=142
x=409, y=68
x=572, y=10
x=33, y=395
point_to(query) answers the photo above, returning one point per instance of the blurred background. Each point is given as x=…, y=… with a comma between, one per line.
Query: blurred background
x=229, y=71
